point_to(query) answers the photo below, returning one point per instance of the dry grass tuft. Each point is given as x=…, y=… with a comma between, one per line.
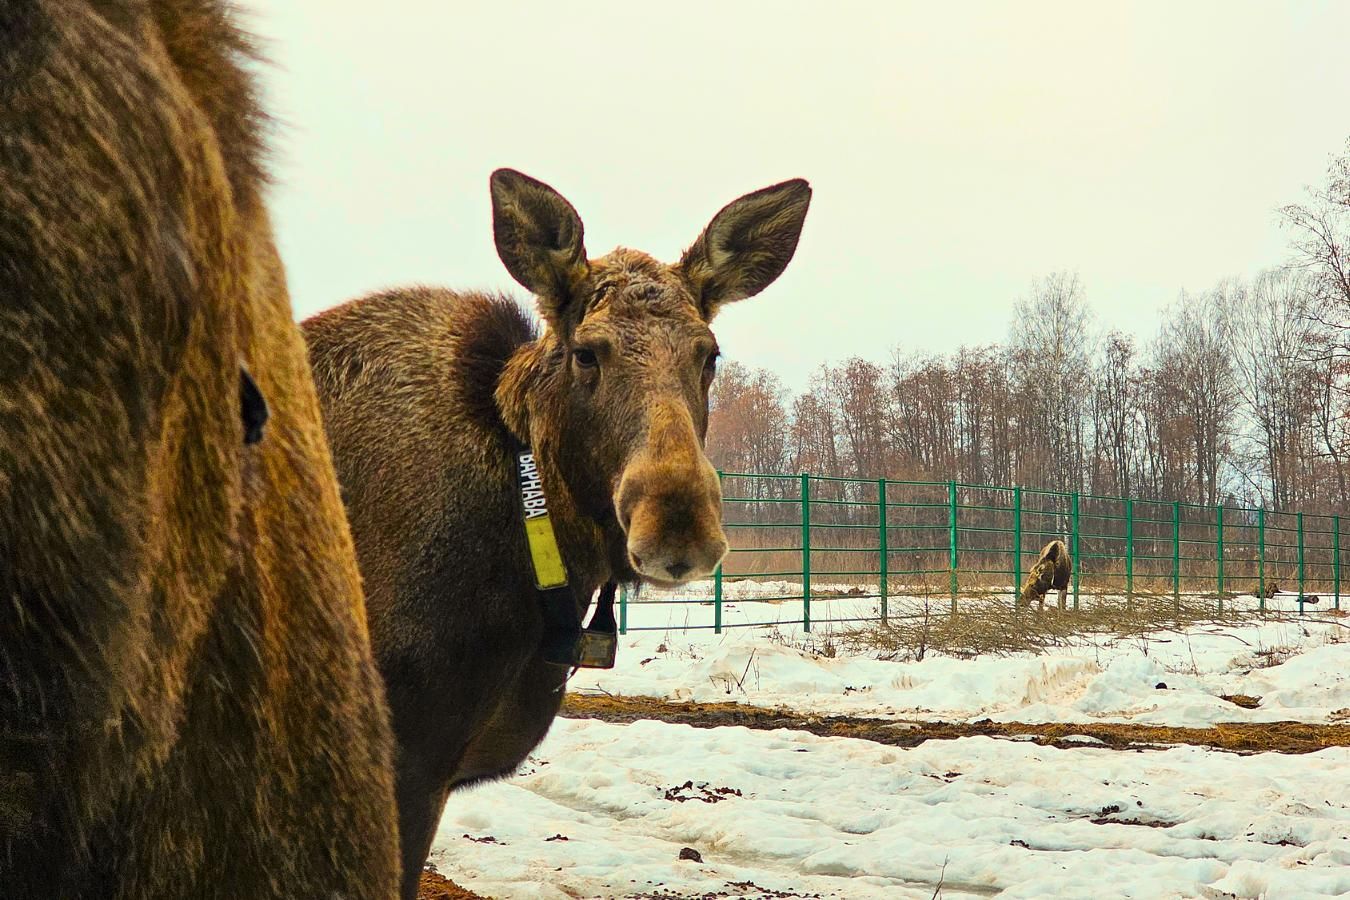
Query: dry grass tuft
x=435, y=886
x=1245, y=701
x=983, y=627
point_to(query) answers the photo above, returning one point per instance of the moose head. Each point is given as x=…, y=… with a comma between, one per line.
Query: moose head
x=617, y=388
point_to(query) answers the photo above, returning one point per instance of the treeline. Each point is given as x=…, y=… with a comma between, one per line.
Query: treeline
x=1242, y=396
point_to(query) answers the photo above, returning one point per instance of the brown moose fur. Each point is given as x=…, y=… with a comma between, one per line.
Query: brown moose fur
x=188, y=704
x=1052, y=570
x=425, y=393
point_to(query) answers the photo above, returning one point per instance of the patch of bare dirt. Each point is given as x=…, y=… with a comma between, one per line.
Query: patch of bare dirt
x=1143, y=823
x=1236, y=737
x=734, y=890
x=701, y=791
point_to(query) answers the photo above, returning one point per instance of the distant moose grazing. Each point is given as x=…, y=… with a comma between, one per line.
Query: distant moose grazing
x=1053, y=569
x=188, y=702
x=434, y=402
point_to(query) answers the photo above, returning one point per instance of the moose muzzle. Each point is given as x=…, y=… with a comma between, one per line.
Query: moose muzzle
x=669, y=503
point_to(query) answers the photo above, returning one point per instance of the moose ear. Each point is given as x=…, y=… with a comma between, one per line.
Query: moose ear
x=252, y=407
x=746, y=245
x=539, y=238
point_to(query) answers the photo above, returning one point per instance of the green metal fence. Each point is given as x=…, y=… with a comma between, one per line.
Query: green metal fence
x=951, y=540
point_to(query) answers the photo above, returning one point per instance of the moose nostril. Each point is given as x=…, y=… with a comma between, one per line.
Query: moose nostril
x=678, y=569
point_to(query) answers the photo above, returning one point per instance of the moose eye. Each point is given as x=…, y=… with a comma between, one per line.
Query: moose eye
x=710, y=363
x=585, y=358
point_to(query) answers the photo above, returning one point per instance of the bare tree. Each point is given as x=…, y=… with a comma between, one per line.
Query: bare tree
x=1115, y=416
x=1165, y=432
x=1265, y=327
x=812, y=445
x=856, y=391
x=1321, y=252
x=1331, y=417
x=984, y=452
x=1052, y=371
x=1200, y=362
x=1321, y=242
x=923, y=426
x=747, y=421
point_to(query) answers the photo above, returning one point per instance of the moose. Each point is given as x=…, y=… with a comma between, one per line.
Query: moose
x=190, y=706
x=1053, y=569
x=1271, y=590
x=431, y=399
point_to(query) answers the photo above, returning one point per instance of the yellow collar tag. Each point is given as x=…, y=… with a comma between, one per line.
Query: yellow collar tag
x=549, y=571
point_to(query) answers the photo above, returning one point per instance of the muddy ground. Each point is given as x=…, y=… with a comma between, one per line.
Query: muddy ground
x=1278, y=737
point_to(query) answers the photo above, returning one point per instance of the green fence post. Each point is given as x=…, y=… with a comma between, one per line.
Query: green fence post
x=951, y=519
x=717, y=580
x=1077, y=559
x=717, y=599
x=1300, y=563
x=1336, y=558
x=1218, y=553
x=806, y=552
x=1176, y=553
x=885, y=549
x=623, y=609
x=1261, y=557
x=1129, y=548
x=1017, y=541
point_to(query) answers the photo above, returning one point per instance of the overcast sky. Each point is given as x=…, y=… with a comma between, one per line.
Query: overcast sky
x=956, y=153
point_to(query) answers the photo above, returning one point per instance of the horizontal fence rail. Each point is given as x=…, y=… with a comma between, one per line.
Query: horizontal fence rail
x=876, y=540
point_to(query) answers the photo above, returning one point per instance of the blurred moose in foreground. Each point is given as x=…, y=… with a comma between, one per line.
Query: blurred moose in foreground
x=188, y=702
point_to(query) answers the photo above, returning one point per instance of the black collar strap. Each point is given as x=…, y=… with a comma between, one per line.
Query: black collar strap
x=565, y=642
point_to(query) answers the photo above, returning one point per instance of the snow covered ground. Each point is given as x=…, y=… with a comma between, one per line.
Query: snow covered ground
x=1298, y=665
x=603, y=810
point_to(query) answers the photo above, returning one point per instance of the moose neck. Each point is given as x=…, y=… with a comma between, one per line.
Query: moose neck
x=528, y=398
